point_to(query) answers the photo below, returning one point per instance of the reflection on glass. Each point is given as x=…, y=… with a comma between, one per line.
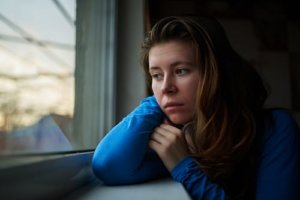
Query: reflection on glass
x=37, y=61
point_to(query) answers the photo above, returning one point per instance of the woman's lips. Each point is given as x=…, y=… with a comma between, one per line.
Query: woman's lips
x=172, y=107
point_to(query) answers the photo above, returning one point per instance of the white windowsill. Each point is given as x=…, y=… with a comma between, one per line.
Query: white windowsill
x=154, y=190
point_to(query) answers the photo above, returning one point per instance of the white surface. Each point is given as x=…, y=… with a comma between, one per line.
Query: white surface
x=156, y=190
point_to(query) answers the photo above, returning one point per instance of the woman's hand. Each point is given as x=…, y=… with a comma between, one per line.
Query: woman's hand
x=170, y=144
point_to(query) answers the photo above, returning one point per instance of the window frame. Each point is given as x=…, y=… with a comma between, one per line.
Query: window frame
x=45, y=176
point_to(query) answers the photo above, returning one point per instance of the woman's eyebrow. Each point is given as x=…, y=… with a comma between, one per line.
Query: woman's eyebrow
x=181, y=63
x=154, y=68
x=172, y=65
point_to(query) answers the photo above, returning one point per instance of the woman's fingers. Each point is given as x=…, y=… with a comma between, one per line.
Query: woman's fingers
x=168, y=130
x=168, y=142
x=158, y=136
x=165, y=134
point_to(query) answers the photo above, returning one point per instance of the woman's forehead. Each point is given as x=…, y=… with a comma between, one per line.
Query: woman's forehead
x=171, y=52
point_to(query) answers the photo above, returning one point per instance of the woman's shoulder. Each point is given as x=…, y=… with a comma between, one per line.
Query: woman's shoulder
x=281, y=113
x=280, y=127
x=279, y=156
x=279, y=119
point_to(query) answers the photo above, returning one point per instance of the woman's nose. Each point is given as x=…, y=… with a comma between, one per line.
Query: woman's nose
x=168, y=86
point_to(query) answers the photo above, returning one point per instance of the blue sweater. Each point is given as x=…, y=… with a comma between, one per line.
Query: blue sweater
x=123, y=157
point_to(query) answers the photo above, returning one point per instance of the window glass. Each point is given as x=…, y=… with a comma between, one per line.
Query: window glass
x=37, y=63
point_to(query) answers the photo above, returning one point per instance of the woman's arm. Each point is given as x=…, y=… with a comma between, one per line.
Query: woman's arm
x=278, y=172
x=171, y=146
x=123, y=156
x=196, y=182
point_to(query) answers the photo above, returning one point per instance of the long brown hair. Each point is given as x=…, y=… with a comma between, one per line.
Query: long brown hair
x=230, y=97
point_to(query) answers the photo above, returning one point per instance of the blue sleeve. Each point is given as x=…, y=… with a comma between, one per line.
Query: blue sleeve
x=123, y=156
x=278, y=171
x=196, y=182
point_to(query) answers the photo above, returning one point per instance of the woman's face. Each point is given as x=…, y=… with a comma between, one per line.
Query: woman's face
x=175, y=78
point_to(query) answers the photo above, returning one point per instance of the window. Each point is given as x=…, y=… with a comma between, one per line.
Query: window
x=57, y=90
x=55, y=172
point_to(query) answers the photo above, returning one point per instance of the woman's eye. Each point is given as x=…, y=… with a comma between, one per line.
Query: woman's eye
x=182, y=71
x=156, y=76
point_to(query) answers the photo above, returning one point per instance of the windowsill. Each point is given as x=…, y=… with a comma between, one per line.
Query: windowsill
x=158, y=189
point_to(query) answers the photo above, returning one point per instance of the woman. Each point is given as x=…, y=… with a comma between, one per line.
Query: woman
x=205, y=125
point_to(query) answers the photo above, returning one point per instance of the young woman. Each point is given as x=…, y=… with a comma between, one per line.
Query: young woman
x=205, y=125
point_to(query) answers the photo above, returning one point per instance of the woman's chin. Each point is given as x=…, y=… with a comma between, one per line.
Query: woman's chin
x=178, y=121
